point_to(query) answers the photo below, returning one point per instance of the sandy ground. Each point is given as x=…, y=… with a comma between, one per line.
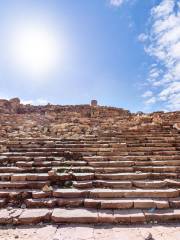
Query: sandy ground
x=91, y=232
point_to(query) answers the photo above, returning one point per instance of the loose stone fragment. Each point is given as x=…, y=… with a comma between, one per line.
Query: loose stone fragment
x=47, y=188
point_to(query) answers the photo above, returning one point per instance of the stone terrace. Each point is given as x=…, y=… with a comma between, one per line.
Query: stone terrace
x=88, y=164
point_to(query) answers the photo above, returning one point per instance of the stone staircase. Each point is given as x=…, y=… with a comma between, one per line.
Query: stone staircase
x=121, y=176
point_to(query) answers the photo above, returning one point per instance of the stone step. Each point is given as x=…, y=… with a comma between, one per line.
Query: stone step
x=96, y=148
x=23, y=177
x=95, y=166
x=52, y=202
x=5, y=176
x=11, y=169
x=37, y=164
x=81, y=215
x=127, y=184
x=128, y=203
x=135, y=176
x=43, y=203
x=29, y=177
x=170, y=137
x=149, y=149
x=128, y=153
x=148, y=193
x=14, y=193
x=84, y=216
x=156, y=135
x=32, y=216
x=23, y=184
x=166, y=183
x=25, y=169
x=116, y=216
x=99, y=152
x=116, y=193
x=43, y=177
x=102, y=173
x=99, y=140
x=158, y=163
x=133, y=163
x=114, y=203
x=151, y=169
x=99, y=169
x=165, y=153
x=111, y=163
x=54, y=145
x=152, y=144
x=92, y=137
x=70, y=193
x=132, y=143
x=31, y=155
x=83, y=176
x=156, y=169
x=109, y=149
x=50, y=163
x=102, y=184
x=12, y=158
x=165, y=215
x=46, y=176
x=131, y=136
x=130, y=158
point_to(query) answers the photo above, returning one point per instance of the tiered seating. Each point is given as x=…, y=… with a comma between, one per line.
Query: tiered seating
x=117, y=177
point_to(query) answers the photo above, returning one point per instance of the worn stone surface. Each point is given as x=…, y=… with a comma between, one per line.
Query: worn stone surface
x=88, y=164
x=74, y=215
x=91, y=232
x=33, y=216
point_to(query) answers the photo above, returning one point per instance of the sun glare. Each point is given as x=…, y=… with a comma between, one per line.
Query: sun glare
x=35, y=50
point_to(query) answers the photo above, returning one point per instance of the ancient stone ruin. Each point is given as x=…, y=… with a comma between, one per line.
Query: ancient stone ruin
x=88, y=164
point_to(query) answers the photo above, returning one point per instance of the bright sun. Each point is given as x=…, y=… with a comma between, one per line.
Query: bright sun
x=34, y=50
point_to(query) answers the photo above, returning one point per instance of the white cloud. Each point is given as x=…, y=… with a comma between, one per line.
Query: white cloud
x=117, y=3
x=154, y=73
x=163, y=9
x=174, y=102
x=151, y=100
x=142, y=37
x=172, y=89
x=38, y=101
x=147, y=94
x=175, y=50
x=163, y=44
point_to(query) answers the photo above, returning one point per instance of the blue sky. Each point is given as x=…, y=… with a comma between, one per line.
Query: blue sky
x=115, y=51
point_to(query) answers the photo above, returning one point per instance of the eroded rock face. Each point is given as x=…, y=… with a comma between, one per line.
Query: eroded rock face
x=11, y=106
x=18, y=120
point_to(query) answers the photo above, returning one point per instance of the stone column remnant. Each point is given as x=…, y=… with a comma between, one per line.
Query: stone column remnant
x=94, y=103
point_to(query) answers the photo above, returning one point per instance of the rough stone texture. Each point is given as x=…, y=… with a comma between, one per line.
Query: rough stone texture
x=129, y=216
x=73, y=121
x=91, y=232
x=33, y=216
x=5, y=217
x=74, y=216
x=88, y=164
x=54, y=120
